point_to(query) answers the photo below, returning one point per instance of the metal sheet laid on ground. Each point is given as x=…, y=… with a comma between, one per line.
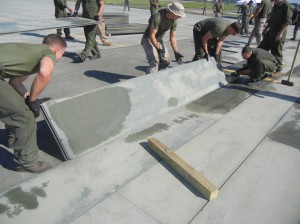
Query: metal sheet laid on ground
x=133, y=28
x=32, y=25
x=87, y=120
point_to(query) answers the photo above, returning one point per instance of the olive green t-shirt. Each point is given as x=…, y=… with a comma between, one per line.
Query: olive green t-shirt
x=216, y=26
x=21, y=59
x=281, y=14
x=89, y=8
x=160, y=22
x=266, y=6
x=259, y=54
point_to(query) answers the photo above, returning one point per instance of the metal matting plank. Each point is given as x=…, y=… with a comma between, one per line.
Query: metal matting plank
x=27, y=25
x=87, y=120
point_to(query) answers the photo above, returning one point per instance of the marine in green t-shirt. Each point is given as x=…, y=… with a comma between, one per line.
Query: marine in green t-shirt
x=276, y=30
x=19, y=107
x=209, y=35
x=259, y=62
x=152, y=41
x=60, y=11
x=91, y=10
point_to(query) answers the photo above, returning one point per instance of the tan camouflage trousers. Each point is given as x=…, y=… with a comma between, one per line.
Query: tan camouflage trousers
x=152, y=55
x=101, y=30
x=259, y=26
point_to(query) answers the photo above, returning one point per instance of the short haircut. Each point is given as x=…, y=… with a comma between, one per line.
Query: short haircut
x=53, y=39
x=236, y=27
x=246, y=50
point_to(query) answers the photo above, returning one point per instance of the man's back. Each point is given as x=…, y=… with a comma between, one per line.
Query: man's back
x=23, y=59
x=266, y=7
x=216, y=26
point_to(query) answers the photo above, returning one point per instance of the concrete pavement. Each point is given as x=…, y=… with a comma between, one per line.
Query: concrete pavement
x=243, y=139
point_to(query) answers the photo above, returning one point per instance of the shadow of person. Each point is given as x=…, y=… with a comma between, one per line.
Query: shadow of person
x=142, y=68
x=7, y=159
x=107, y=76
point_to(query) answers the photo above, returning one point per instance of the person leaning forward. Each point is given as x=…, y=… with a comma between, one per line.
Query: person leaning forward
x=152, y=41
x=90, y=10
x=19, y=107
x=209, y=35
x=259, y=62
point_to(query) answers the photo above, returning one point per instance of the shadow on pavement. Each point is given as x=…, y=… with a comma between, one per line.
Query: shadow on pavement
x=6, y=159
x=107, y=76
x=262, y=93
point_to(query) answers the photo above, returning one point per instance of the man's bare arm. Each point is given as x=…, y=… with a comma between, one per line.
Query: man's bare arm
x=42, y=78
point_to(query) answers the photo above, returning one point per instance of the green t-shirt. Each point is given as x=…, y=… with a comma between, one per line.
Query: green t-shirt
x=216, y=26
x=281, y=14
x=245, y=10
x=89, y=8
x=20, y=59
x=259, y=54
x=160, y=22
x=266, y=6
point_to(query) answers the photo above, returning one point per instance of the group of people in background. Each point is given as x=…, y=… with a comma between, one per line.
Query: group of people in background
x=20, y=106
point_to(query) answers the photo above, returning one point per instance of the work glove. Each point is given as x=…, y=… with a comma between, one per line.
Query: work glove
x=206, y=56
x=161, y=54
x=96, y=17
x=162, y=62
x=178, y=57
x=35, y=106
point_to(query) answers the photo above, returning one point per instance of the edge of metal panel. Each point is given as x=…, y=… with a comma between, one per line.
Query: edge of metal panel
x=55, y=134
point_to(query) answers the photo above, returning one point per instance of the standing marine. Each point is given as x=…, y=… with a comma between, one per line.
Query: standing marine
x=90, y=10
x=274, y=34
x=60, y=12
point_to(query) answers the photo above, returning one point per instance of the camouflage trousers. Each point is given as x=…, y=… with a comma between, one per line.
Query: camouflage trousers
x=101, y=30
x=152, y=55
x=296, y=28
x=20, y=125
x=259, y=26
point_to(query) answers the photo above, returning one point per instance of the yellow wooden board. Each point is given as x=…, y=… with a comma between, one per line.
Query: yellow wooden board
x=192, y=176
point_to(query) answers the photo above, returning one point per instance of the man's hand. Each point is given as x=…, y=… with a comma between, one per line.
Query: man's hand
x=96, y=17
x=206, y=56
x=75, y=14
x=35, y=106
x=278, y=36
x=216, y=56
x=178, y=57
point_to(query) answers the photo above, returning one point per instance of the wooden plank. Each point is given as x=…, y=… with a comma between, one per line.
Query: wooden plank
x=192, y=176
